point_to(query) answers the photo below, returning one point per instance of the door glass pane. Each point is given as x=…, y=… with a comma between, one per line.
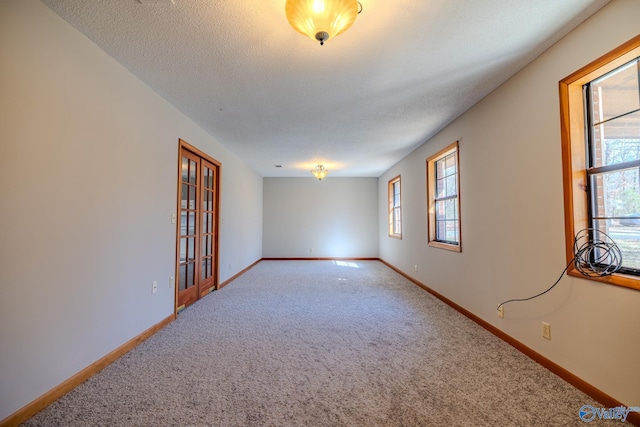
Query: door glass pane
x=185, y=169
x=191, y=279
x=192, y=197
x=206, y=268
x=193, y=171
x=184, y=196
x=207, y=178
x=204, y=245
x=191, y=225
x=183, y=250
x=183, y=275
x=191, y=251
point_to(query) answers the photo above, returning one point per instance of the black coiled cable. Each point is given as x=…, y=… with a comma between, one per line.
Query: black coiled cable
x=595, y=254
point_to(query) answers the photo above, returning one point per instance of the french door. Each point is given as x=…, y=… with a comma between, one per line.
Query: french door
x=197, y=234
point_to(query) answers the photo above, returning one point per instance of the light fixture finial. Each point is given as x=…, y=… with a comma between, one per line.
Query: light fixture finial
x=321, y=20
x=322, y=36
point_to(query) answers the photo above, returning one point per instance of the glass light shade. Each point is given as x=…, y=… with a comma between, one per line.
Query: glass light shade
x=319, y=172
x=314, y=17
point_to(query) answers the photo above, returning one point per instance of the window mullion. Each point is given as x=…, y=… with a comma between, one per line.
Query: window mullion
x=615, y=167
x=616, y=117
x=442, y=199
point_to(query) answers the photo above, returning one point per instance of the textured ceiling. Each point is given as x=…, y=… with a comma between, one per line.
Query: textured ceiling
x=358, y=104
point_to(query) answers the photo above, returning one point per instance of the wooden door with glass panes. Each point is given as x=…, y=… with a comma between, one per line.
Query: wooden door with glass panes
x=208, y=235
x=197, y=260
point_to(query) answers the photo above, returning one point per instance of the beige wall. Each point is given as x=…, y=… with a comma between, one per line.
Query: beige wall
x=305, y=218
x=513, y=223
x=88, y=171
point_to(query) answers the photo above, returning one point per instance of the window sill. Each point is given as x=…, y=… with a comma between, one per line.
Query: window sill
x=445, y=246
x=624, y=280
x=396, y=236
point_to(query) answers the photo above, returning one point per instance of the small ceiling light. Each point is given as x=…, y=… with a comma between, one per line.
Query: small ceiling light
x=319, y=172
x=321, y=19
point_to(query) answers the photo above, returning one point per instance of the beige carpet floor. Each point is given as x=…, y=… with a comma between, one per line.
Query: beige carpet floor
x=320, y=343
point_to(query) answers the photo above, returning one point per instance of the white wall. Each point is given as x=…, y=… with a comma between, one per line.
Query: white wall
x=513, y=223
x=88, y=172
x=336, y=217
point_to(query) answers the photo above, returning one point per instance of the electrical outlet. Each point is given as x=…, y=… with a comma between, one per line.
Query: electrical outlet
x=546, y=330
x=154, y=286
x=415, y=268
x=501, y=311
x=172, y=282
x=310, y=250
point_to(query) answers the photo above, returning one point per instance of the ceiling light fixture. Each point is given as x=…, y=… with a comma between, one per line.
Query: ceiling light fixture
x=319, y=172
x=321, y=19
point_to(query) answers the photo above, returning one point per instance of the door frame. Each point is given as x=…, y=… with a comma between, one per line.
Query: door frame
x=183, y=145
